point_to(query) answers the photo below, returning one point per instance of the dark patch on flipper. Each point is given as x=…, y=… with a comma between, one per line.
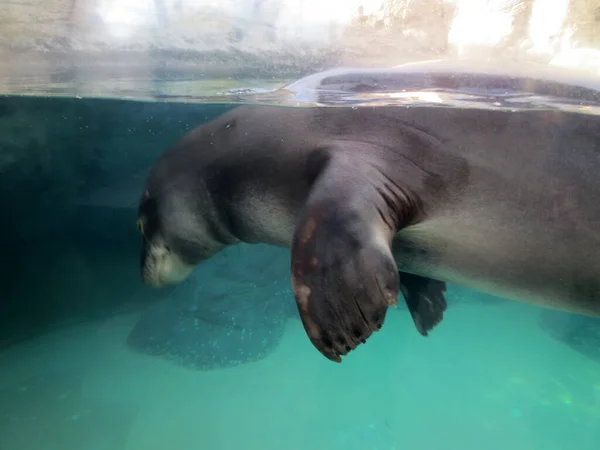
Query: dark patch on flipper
x=343, y=273
x=343, y=286
x=425, y=300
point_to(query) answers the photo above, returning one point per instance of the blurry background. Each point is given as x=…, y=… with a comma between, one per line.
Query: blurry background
x=209, y=46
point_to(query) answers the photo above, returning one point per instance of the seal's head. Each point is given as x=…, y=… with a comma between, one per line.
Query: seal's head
x=227, y=181
x=178, y=232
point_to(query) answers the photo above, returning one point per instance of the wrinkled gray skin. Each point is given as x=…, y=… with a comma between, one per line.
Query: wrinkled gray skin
x=504, y=202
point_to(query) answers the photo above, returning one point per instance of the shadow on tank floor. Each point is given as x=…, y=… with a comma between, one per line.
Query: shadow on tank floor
x=232, y=310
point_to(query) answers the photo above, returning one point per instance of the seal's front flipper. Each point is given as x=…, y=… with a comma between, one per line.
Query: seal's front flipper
x=425, y=300
x=343, y=273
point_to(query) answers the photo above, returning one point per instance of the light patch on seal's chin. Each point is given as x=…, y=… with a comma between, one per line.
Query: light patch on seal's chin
x=163, y=267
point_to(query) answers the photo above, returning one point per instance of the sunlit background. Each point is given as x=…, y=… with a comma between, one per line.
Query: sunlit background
x=544, y=27
x=128, y=47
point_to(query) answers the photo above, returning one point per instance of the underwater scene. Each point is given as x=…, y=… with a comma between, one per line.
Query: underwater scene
x=165, y=287
x=92, y=358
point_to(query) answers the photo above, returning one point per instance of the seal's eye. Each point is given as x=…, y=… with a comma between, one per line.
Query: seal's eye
x=140, y=225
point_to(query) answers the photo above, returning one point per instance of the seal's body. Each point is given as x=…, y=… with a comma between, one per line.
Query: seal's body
x=507, y=202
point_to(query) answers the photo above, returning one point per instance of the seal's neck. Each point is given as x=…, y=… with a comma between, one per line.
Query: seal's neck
x=265, y=218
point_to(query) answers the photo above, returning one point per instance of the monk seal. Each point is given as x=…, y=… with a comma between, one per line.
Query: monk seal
x=497, y=190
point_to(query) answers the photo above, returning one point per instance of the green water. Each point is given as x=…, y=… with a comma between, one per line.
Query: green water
x=489, y=377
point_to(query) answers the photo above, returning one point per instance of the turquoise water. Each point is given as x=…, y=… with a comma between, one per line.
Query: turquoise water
x=92, y=359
